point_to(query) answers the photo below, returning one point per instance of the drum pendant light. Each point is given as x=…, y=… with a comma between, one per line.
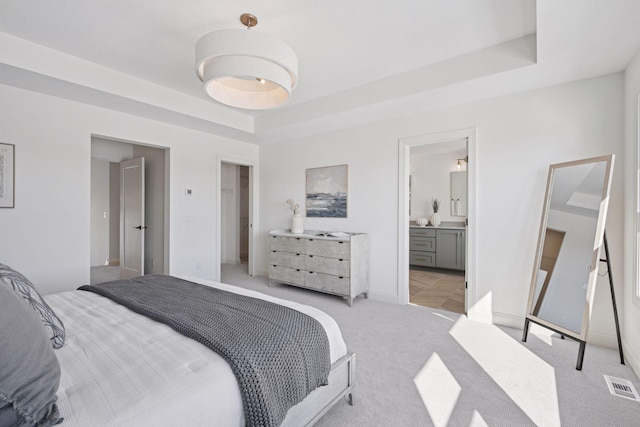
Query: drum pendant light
x=245, y=68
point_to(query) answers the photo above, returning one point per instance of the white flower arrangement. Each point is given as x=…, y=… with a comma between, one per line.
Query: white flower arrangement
x=293, y=206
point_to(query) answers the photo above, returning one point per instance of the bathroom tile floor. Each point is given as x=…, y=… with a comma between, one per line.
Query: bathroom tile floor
x=436, y=288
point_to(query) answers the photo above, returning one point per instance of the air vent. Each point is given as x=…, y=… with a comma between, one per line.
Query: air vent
x=622, y=388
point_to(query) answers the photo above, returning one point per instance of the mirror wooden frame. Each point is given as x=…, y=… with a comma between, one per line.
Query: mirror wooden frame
x=581, y=337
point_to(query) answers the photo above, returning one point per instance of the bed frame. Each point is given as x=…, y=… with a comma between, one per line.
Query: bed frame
x=315, y=405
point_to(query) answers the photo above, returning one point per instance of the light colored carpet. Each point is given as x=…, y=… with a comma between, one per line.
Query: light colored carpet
x=418, y=366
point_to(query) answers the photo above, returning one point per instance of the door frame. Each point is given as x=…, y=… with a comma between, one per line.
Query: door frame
x=253, y=209
x=404, y=163
x=167, y=183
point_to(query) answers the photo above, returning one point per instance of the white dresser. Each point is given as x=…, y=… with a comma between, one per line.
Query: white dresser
x=331, y=262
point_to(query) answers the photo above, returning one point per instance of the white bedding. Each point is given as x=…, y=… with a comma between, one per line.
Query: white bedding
x=120, y=368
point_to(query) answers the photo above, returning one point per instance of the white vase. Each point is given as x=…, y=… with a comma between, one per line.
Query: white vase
x=422, y=222
x=435, y=219
x=297, y=226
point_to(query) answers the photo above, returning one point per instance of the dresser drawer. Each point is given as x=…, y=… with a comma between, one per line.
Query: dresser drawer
x=328, y=248
x=425, y=259
x=287, y=259
x=422, y=244
x=423, y=232
x=287, y=275
x=334, y=266
x=327, y=283
x=287, y=244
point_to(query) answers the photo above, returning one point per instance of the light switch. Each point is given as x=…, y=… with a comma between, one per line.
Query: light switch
x=188, y=191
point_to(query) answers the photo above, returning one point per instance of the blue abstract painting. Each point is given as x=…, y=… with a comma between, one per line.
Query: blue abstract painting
x=327, y=192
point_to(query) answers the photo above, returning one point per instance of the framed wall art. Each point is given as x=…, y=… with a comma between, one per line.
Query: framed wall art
x=327, y=192
x=7, y=175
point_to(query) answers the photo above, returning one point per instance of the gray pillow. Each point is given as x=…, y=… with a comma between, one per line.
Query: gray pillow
x=25, y=288
x=29, y=371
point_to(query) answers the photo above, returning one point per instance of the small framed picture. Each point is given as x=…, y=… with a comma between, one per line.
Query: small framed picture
x=7, y=175
x=327, y=192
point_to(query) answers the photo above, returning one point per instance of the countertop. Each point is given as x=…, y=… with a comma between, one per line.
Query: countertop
x=444, y=225
x=316, y=234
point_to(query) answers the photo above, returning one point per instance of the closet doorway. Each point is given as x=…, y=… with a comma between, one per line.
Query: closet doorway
x=236, y=218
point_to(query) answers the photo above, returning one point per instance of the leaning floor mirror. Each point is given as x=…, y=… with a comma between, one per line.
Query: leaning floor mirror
x=568, y=253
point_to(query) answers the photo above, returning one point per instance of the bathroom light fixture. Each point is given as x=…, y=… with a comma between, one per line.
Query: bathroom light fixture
x=461, y=161
x=246, y=69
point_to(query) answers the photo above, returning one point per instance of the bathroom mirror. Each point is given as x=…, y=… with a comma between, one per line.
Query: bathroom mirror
x=458, y=193
x=569, y=241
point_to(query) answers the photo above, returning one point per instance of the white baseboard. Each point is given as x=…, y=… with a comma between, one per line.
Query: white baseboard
x=508, y=320
x=603, y=340
x=631, y=358
x=595, y=338
x=383, y=296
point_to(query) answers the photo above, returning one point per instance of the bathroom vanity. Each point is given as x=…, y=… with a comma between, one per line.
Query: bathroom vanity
x=441, y=247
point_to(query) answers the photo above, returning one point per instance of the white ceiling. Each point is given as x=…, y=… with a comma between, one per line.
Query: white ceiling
x=358, y=61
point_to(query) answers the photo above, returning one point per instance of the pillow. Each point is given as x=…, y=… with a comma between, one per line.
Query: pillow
x=26, y=290
x=29, y=371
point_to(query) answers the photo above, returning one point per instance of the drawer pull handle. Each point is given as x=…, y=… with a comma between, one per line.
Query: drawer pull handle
x=311, y=272
x=297, y=269
x=311, y=240
x=274, y=265
x=310, y=256
x=341, y=242
x=273, y=252
x=297, y=254
x=340, y=277
x=297, y=238
x=340, y=259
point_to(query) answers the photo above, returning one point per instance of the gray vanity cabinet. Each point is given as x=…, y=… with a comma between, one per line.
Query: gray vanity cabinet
x=322, y=263
x=450, y=249
x=422, y=247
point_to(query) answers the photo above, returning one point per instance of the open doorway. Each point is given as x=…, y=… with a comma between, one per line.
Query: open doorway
x=107, y=157
x=235, y=224
x=437, y=218
x=457, y=243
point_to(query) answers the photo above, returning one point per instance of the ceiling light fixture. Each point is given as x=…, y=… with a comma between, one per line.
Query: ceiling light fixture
x=246, y=69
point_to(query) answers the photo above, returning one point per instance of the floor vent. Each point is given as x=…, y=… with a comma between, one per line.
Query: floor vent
x=622, y=388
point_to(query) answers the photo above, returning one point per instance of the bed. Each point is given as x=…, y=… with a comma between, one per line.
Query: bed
x=120, y=368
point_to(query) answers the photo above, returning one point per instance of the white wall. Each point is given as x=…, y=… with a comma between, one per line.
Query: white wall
x=431, y=179
x=49, y=229
x=230, y=214
x=114, y=213
x=631, y=305
x=518, y=136
x=99, y=211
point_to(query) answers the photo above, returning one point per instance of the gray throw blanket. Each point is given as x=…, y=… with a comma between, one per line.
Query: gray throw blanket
x=278, y=354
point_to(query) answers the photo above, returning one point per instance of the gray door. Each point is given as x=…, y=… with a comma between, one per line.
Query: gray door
x=132, y=218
